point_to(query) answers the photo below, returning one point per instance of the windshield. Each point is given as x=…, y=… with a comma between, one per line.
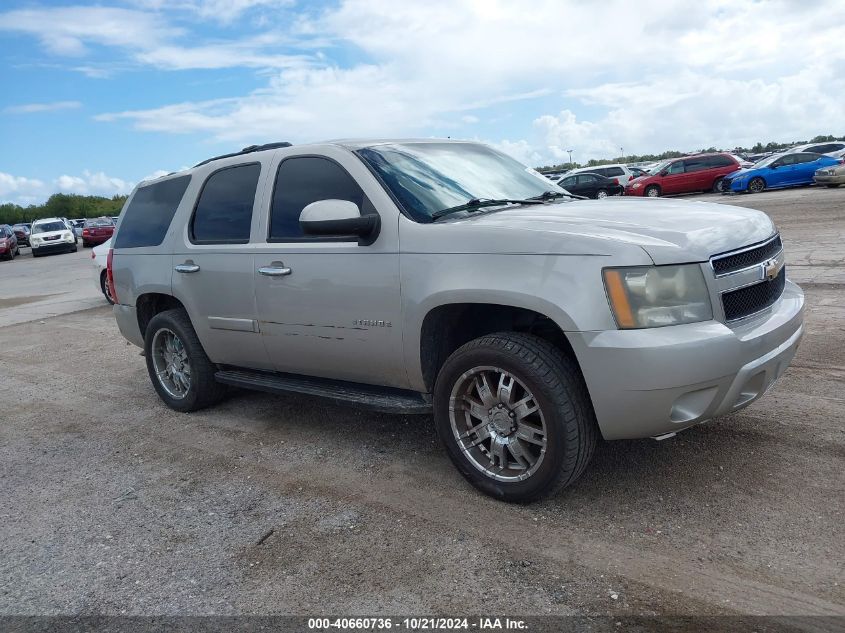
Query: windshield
x=49, y=226
x=428, y=177
x=99, y=222
x=767, y=161
x=660, y=166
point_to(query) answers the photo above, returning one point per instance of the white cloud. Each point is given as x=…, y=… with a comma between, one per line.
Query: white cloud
x=693, y=78
x=14, y=187
x=25, y=191
x=224, y=11
x=29, y=108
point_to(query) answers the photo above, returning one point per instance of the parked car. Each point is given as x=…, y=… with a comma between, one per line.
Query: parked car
x=50, y=235
x=100, y=256
x=70, y=227
x=703, y=172
x=9, y=248
x=831, y=148
x=830, y=176
x=78, y=225
x=97, y=231
x=22, y=233
x=636, y=172
x=591, y=185
x=622, y=174
x=442, y=276
x=781, y=170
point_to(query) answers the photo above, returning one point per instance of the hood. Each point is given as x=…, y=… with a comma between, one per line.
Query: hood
x=670, y=231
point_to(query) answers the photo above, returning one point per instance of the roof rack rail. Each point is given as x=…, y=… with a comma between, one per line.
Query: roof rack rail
x=247, y=150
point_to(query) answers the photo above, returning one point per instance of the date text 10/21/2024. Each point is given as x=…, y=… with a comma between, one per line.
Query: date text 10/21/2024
x=416, y=624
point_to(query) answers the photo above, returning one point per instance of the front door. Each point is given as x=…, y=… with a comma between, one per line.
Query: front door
x=329, y=306
x=675, y=179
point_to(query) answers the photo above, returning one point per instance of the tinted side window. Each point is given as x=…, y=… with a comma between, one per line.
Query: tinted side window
x=224, y=210
x=720, y=161
x=676, y=167
x=148, y=216
x=806, y=158
x=301, y=181
x=567, y=182
x=613, y=172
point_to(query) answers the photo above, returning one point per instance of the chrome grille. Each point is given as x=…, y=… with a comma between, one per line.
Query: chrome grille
x=731, y=262
x=749, y=279
x=752, y=299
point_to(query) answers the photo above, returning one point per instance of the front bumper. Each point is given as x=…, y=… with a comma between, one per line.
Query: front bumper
x=46, y=248
x=650, y=382
x=829, y=180
x=632, y=191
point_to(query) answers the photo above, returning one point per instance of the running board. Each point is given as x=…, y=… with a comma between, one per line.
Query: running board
x=372, y=398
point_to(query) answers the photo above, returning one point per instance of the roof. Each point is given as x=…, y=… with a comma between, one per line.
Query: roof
x=42, y=220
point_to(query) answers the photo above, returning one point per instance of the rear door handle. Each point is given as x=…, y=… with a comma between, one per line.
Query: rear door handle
x=274, y=271
x=186, y=268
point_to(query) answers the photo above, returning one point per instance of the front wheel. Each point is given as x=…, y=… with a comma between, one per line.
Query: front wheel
x=756, y=185
x=514, y=415
x=652, y=191
x=831, y=186
x=178, y=366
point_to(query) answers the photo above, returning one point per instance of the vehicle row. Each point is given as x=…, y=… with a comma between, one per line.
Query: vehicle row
x=53, y=235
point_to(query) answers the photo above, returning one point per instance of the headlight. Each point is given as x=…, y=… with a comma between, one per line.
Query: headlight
x=35, y=239
x=68, y=237
x=637, y=185
x=654, y=296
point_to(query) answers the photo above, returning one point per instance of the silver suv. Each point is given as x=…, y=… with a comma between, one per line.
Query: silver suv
x=443, y=276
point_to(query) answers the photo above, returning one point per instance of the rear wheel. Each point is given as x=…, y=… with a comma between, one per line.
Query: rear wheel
x=831, y=186
x=719, y=185
x=514, y=416
x=178, y=366
x=601, y=193
x=652, y=191
x=756, y=185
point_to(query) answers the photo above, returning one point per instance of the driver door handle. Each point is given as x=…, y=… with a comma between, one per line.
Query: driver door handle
x=186, y=268
x=275, y=269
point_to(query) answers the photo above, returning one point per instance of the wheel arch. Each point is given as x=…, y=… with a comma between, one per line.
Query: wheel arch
x=447, y=326
x=152, y=303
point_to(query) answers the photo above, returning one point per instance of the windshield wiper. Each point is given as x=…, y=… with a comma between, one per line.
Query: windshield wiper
x=479, y=203
x=551, y=195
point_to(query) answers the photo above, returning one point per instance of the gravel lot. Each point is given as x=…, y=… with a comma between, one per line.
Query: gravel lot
x=112, y=503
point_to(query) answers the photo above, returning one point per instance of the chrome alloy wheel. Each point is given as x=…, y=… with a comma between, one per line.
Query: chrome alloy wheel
x=498, y=424
x=170, y=360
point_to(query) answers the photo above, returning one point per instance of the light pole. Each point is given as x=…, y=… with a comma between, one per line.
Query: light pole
x=570, y=157
x=622, y=149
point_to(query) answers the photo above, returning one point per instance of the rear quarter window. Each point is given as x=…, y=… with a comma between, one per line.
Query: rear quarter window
x=613, y=172
x=150, y=213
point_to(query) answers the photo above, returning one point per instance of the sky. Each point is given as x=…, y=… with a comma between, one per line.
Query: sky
x=98, y=96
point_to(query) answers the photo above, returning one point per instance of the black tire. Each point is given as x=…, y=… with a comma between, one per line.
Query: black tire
x=599, y=193
x=831, y=186
x=719, y=185
x=34, y=254
x=203, y=390
x=756, y=185
x=104, y=287
x=652, y=191
x=74, y=249
x=555, y=385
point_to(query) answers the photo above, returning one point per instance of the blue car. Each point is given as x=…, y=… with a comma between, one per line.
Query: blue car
x=780, y=170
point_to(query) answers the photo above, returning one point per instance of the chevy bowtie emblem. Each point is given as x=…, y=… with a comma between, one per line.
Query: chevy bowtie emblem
x=771, y=268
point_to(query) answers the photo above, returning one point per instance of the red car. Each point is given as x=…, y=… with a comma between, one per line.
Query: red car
x=703, y=172
x=97, y=231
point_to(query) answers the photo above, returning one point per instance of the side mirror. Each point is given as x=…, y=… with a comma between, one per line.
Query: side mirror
x=774, y=165
x=663, y=173
x=338, y=218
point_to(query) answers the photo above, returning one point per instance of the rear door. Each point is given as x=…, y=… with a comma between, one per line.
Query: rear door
x=805, y=166
x=213, y=267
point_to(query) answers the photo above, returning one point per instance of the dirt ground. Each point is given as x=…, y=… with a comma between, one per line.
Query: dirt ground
x=112, y=503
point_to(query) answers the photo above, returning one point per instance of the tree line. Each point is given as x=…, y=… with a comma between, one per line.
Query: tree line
x=758, y=148
x=62, y=205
